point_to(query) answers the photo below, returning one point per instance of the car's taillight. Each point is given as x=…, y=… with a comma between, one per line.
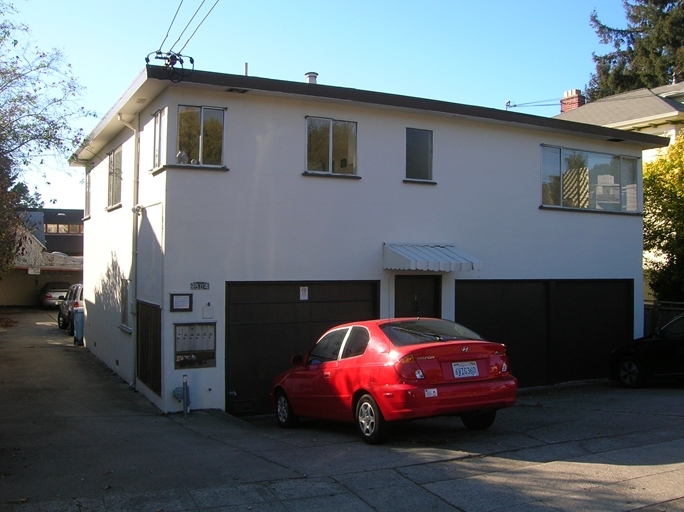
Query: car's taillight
x=76, y=304
x=48, y=295
x=407, y=368
x=500, y=363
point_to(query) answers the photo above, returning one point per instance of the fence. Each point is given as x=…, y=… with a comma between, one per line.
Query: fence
x=658, y=313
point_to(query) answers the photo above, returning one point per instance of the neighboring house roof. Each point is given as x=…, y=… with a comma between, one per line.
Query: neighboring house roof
x=154, y=79
x=633, y=110
x=34, y=255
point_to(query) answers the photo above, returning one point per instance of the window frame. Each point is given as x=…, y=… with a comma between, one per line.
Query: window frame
x=331, y=139
x=201, y=137
x=425, y=159
x=114, y=182
x=159, y=146
x=123, y=299
x=587, y=193
x=86, y=209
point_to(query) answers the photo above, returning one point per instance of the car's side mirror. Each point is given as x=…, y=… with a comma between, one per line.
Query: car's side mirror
x=297, y=360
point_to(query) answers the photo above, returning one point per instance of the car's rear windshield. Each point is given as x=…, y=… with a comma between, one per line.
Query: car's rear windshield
x=57, y=286
x=429, y=330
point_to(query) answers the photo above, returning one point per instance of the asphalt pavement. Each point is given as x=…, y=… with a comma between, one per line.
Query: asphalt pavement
x=75, y=437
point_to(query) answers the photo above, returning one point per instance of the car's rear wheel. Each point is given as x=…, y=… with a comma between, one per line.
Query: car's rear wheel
x=369, y=420
x=631, y=373
x=61, y=321
x=284, y=413
x=479, y=420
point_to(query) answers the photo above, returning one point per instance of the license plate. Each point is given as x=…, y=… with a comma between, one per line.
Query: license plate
x=462, y=370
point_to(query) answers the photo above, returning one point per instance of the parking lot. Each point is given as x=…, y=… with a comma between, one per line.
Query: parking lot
x=73, y=436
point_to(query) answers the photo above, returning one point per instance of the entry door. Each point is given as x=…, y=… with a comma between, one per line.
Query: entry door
x=418, y=296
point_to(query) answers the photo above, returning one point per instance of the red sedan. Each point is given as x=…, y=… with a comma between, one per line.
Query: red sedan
x=380, y=371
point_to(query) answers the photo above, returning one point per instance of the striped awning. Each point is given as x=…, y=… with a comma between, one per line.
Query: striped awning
x=429, y=257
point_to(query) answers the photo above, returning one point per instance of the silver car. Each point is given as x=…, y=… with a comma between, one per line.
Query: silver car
x=52, y=294
x=73, y=299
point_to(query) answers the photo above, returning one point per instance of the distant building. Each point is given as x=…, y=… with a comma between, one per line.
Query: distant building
x=59, y=230
x=52, y=250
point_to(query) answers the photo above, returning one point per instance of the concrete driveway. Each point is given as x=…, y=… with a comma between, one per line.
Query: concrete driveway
x=73, y=436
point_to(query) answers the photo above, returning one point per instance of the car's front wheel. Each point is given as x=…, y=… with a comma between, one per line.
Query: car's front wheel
x=61, y=321
x=369, y=420
x=479, y=420
x=631, y=373
x=284, y=413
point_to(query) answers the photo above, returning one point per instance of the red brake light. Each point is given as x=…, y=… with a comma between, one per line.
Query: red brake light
x=408, y=369
x=48, y=295
x=76, y=304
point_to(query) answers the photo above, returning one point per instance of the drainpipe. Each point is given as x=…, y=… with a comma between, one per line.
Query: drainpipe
x=133, y=301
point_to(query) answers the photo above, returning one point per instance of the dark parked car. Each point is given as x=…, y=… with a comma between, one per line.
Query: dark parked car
x=375, y=372
x=52, y=294
x=658, y=356
x=73, y=299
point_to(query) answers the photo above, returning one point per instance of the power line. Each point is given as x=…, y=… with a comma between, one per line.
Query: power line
x=186, y=26
x=198, y=26
x=171, y=25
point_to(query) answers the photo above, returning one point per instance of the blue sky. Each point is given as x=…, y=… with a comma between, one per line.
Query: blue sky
x=477, y=53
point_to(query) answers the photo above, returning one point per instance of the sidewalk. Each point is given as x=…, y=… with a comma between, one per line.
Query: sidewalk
x=73, y=436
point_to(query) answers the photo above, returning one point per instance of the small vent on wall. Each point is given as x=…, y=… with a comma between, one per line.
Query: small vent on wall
x=236, y=90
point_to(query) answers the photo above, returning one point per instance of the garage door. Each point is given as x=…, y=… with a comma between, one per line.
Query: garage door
x=268, y=323
x=556, y=331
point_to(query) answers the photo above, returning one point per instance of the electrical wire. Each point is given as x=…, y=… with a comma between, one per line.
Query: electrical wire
x=198, y=26
x=171, y=25
x=186, y=27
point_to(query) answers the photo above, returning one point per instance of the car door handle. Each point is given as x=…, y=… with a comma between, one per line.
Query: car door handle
x=326, y=375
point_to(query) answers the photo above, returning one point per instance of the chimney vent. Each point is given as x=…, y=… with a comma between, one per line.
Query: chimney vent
x=571, y=100
x=311, y=77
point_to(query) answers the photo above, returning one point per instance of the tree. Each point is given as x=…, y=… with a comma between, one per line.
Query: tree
x=648, y=53
x=38, y=95
x=664, y=222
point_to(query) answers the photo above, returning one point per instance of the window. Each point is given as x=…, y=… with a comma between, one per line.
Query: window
x=330, y=146
x=356, y=343
x=115, y=177
x=123, y=299
x=328, y=347
x=51, y=228
x=588, y=180
x=159, y=139
x=200, y=136
x=418, y=154
x=86, y=211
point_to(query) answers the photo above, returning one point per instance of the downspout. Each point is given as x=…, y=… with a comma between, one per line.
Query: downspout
x=133, y=287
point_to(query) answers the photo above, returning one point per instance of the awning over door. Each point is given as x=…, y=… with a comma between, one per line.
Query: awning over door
x=431, y=257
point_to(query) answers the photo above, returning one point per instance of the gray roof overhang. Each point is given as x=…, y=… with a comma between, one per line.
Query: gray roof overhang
x=153, y=80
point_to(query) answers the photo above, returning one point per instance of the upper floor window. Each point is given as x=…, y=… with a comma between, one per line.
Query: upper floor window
x=63, y=229
x=115, y=177
x=86, y=211
x=330, y=146
x=418, y=154
x=200, y=135
x=588, y=180
x=159, y=139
